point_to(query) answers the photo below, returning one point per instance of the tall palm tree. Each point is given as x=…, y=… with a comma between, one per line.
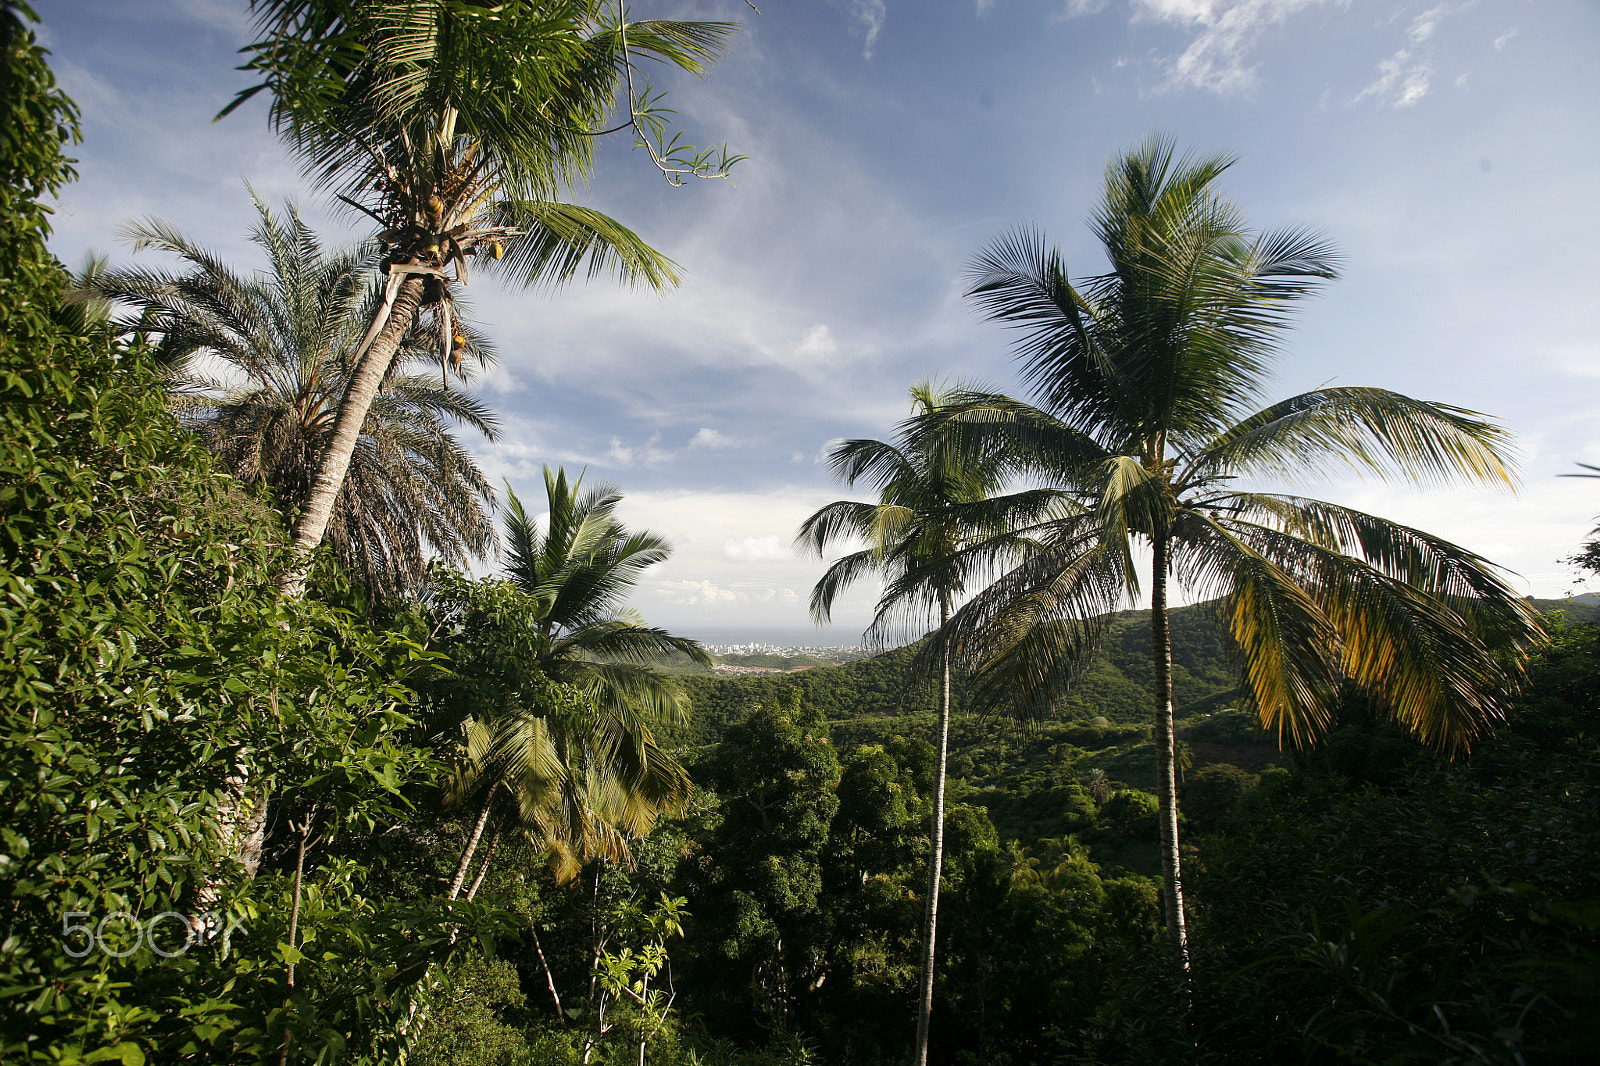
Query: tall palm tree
x=933, y=500
x=257, y=365
x=1147, y=379
x=572, y=755
x=455, y=127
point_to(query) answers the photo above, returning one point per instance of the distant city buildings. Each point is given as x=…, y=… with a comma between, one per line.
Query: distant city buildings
x=831, y=653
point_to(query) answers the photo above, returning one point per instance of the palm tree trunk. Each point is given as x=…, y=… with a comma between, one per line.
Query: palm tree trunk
x=936, y=860
x=467, y=852
x=488, y=857
x=370, y=371
x=1167, y=788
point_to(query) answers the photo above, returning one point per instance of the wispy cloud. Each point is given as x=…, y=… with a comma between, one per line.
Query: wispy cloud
x=1218, y=59
x=1405, y=77
x=650, y=453
x=1504, y=39
x=870, y=15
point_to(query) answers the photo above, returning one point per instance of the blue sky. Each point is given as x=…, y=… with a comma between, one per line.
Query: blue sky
x=1448, y=150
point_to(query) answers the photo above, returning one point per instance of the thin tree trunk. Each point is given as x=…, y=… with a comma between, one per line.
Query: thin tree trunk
x=467, y=852
x=930, y=923
x=368, y=377
x=1167, y=794
x=299, y=877
x=488, y=857
x=294, y=923
x=549, y=978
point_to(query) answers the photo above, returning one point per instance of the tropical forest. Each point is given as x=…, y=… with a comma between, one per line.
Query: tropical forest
x=324, y=740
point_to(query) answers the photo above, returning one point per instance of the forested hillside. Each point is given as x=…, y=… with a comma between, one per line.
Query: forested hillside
x=857, y=695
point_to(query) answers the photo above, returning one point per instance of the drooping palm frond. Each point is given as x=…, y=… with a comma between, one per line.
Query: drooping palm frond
x=1363, y=430
x=561, y=240
x=1065, y=587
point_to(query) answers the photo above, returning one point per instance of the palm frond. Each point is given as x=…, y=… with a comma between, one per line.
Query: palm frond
x=561, y=240
x=1284, y=639
x=1364, y=430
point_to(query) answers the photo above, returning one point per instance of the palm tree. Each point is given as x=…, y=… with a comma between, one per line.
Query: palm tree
x=933, y=500
x=1147, y=379
x=565, y=745
x=257, y=365
x=455, y=127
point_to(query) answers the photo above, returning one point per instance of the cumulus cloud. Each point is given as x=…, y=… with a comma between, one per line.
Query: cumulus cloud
x=706, y=593
x=709, y=438
x=756, y=549
x=692, y=593
x=817, y=344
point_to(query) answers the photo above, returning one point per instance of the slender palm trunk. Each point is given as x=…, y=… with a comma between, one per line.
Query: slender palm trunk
x=1161, y=644
x=488, y=857
x=368, y=377
x=468, y=851
x=936, y=860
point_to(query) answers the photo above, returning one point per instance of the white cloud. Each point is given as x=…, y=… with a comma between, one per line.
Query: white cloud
x=647, y=454
x=871, y=15
x=706, y=593
x=693, y=593
x=1423, y=25
x=709, y=438
x=1176, y=10
x=756, y=549
x=817, y=344
x=1218, y=58
x=1504, y=39
x=1080, y=8
x=1404, y=78
x=497, y=379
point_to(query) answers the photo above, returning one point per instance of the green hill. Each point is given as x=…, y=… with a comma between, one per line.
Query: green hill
x=866, y=697
x=1577, y=609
